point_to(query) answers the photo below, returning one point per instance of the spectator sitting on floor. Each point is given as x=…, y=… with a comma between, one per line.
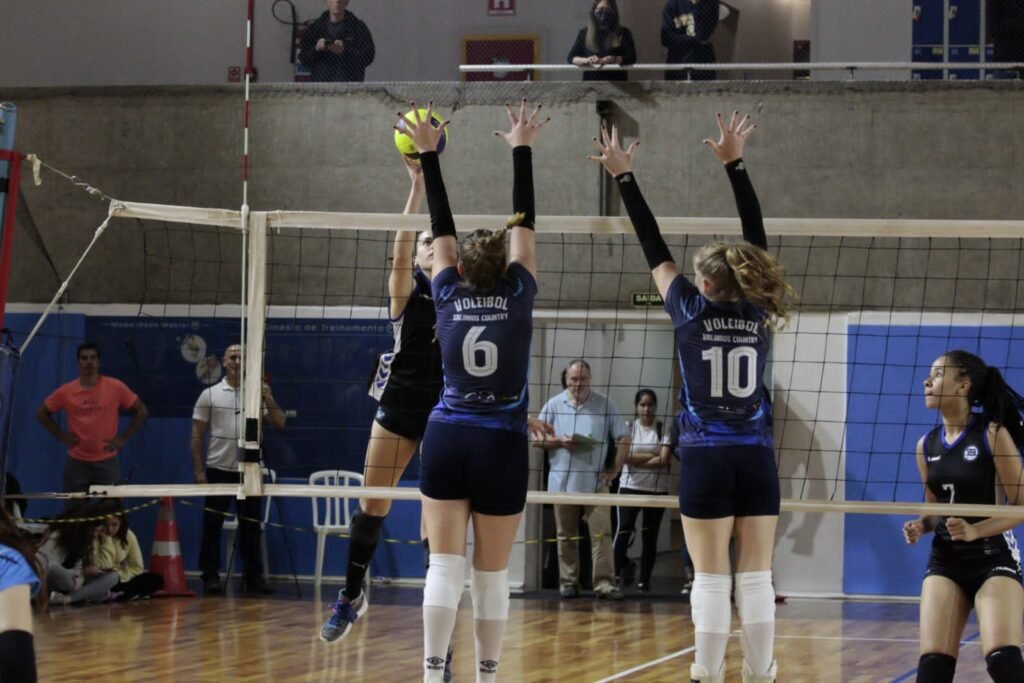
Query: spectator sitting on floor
x=116, y=548
x=71, y=570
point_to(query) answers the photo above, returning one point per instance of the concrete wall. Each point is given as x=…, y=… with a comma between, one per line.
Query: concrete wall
x=140, y=42
x=912, y=150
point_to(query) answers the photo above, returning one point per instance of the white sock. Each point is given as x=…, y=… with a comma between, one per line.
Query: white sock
x=490, y=615
x=755, y=602
x=441, y=595
x=711, y=611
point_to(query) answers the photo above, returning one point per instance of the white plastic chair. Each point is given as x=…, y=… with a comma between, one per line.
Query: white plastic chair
x=332, y=515
x=231, y=528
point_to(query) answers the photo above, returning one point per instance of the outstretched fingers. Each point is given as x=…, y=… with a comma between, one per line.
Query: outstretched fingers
x=721, y=123
x=511, y=117
x=534, y=116
x=746, y=128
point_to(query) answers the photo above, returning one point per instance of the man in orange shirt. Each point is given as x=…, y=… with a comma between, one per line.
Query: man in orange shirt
x=93, y=404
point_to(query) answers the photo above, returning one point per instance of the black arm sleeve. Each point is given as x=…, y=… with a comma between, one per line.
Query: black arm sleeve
x=522, y=185
x=747, y=204
x=644, y=222
x=441, y=221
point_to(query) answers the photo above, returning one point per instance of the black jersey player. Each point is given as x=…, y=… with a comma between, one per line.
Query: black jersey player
x=406, y=386
x=973, y=457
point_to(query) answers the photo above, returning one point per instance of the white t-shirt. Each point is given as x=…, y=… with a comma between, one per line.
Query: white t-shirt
x=645, y=440
x=219, y=407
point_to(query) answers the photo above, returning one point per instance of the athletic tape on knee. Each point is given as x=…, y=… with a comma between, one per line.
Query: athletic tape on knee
x=445, y=580
x=710, y=606
x=1005, y=665
x=366, y=528
x=490, y=595
x=755, y=597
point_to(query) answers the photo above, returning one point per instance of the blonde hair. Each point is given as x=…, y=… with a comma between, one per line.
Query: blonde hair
x=483, y=257
x=739, y=270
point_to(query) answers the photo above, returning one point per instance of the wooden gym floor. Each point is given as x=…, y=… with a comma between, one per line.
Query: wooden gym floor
x=548, y=639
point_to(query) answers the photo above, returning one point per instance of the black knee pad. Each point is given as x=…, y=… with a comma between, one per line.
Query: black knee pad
x=17, y=657
x=366, y=528
x=1005, y=665
x=935, y=667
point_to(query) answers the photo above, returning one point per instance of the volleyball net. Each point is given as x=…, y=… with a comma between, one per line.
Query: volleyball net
x=879, y=300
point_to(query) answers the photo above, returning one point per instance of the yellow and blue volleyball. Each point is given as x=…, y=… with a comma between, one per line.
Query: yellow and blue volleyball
x=404, y=143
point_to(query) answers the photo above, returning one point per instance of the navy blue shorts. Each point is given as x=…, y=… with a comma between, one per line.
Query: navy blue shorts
x=490, y=467
x=728, y=481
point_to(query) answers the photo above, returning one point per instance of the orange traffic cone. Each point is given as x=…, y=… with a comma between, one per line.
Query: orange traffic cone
x=166, y=558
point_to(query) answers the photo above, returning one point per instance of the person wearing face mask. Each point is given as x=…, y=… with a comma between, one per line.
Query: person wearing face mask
x=603, y=42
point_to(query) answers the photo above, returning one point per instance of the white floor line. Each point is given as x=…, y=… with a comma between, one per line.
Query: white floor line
x=867, y=640
x=647, y=665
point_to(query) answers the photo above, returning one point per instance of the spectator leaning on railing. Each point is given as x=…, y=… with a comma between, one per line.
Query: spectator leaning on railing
x=604, y=41
x=1006, y=31
x=686, y=28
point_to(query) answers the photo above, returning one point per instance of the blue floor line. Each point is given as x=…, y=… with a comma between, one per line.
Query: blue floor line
x=913, y=671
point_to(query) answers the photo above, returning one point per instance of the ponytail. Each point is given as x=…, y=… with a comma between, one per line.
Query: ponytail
x=1002, y=404
x=998, y=401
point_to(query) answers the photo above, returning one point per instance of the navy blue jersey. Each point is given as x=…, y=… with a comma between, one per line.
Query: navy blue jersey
x=485, y=349
x=722, y=349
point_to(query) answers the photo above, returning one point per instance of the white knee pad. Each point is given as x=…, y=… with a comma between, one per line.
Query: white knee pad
x=446, y=578
x=490, y=595
x=755, y=597
x=710, y=603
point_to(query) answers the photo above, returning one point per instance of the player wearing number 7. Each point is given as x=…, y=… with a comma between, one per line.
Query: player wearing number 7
x=475, y=461
x=972, y=457
x=728, y=481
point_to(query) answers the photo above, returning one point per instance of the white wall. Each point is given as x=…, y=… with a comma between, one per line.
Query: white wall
x=809, y=410
x=808, y=380
x=861, y=31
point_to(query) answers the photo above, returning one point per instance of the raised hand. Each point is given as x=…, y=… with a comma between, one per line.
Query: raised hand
x=730, y=144
x=614, y=159
x=421, y=130
x=523, y=130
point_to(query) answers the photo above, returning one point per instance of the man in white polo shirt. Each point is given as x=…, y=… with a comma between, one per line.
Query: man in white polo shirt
x=218, y=411
x=586, y=422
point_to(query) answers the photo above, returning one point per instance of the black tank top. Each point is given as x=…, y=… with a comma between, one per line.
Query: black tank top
x=414, y=364
x=963, y=472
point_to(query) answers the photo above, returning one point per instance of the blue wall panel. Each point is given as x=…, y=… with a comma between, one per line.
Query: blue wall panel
x=885, y=417
x=318, y=369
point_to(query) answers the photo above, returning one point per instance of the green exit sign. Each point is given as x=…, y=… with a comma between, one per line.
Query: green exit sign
x=647, y=300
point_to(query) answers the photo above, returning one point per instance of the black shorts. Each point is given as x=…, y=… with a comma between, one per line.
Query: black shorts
x=969, y=572
x=489, y=467
x=405, y=412
x=728, y=481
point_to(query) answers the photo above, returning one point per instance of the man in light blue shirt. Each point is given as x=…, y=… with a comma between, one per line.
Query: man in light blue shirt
x=585, y=423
